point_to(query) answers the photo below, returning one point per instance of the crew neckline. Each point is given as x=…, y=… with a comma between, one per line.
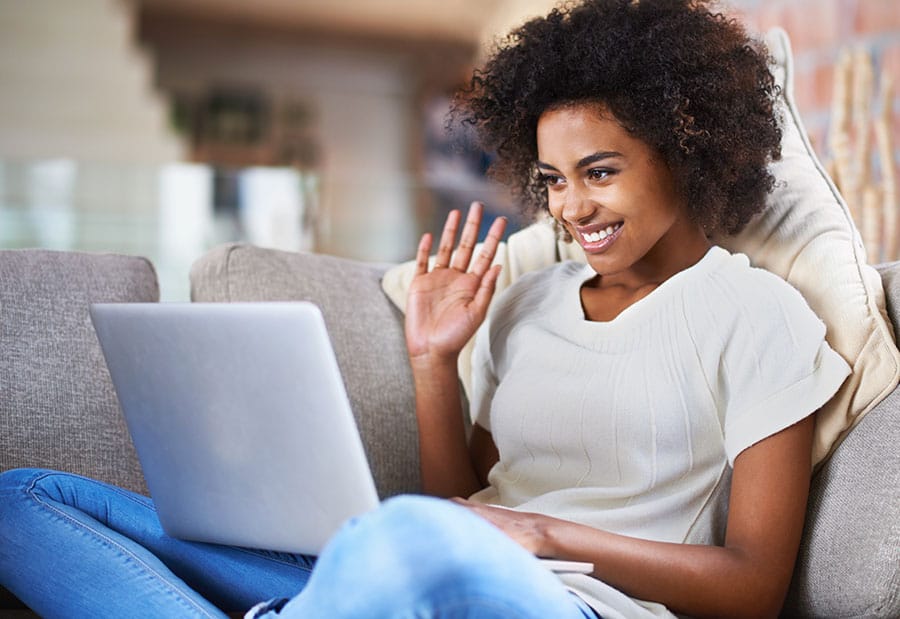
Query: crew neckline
x=644, y=308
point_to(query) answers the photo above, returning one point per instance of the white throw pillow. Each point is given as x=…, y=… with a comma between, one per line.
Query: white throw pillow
x=805, y=235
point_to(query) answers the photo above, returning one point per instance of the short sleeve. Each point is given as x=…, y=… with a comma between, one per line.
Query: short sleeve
x=484, y=380
x=775, y=367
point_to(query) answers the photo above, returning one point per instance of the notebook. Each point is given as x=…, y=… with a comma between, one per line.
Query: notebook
x=241, y=422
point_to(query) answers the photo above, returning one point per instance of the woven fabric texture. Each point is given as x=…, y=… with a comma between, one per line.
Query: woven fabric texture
x=58, y=408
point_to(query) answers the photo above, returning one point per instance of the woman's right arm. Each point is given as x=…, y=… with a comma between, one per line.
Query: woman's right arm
x=445, y=307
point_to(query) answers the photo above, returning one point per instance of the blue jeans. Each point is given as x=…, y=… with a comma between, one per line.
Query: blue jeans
x=75, y=547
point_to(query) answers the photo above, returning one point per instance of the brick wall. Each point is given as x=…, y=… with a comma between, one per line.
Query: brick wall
x=819, y=30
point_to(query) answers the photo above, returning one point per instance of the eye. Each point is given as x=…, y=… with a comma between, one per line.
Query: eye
x=552, y=180
x=599, y=174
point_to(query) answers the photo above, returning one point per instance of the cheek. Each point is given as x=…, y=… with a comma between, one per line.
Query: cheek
x=555, y=203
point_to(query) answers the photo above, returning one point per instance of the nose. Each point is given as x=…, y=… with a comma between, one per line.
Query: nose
x=577, y=206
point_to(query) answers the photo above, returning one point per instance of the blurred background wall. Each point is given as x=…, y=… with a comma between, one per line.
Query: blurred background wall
x=820, y=31
x=164, y=127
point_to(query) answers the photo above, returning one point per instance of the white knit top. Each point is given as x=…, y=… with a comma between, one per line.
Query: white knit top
x=631, y=425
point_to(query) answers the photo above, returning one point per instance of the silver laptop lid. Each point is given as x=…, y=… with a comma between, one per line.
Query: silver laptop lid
x=240, y=420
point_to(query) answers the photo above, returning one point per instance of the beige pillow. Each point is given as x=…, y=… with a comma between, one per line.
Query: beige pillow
x=806, y=236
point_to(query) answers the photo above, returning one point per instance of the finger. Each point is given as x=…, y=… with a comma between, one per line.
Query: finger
x=445, y=247
x=489, y=247
x=468, y=238
x=422, y=254
x=486, y=290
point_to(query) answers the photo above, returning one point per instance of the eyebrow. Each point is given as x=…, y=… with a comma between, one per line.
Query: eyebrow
x=585, y=161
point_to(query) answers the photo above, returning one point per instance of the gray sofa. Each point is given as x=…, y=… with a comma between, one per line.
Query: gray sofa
x=57, y=407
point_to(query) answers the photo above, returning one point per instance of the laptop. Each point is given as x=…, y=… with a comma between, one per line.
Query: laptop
x=241, y=422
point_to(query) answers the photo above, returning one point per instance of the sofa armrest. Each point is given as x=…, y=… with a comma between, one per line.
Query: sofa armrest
x=849, y=562
x=366, y=331
x=58, y=408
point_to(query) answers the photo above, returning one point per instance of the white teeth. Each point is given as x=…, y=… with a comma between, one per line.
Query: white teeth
x=594, y=237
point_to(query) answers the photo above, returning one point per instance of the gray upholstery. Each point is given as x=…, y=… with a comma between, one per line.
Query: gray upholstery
x=366, y=331
x=57, y=405
x=849, y=565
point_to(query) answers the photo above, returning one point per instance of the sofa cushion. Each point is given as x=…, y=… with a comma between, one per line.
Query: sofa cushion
x=58, y=408
x=366, y=331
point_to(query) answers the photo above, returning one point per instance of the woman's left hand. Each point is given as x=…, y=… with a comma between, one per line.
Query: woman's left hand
x=527, y=529
x=446, y=304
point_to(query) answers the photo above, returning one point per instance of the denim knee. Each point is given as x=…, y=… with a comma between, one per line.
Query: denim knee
x=424, y=557
x=425, y=527
x=438, y=524
x=19, y=478
x=17, y=482
x=32, y=483
x=433, y=543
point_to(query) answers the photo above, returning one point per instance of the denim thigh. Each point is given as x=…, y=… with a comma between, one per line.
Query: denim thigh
x=73, y=546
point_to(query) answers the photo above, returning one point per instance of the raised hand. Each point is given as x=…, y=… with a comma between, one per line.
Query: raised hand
x=446, y=305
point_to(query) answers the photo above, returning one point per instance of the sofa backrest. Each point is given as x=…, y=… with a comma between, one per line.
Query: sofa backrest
x=57, y=405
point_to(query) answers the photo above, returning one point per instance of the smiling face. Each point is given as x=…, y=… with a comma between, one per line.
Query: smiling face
x=616, y=197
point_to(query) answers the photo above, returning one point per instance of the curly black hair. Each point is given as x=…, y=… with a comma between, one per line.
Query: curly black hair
x=684, y=79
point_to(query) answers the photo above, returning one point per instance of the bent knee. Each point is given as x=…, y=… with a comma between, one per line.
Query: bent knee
x=39, y=484
x=417, y=534
x=20, y=479
x=417, y=552
x=17, y=495
x=423, y=522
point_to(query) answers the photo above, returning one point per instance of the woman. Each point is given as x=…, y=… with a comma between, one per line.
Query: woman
x=650, y=413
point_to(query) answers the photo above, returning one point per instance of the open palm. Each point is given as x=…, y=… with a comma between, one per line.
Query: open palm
x=447, y=304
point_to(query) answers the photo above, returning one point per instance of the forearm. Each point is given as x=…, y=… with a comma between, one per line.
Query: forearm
x=445, y=463
x=701, y=581
x=445, y=306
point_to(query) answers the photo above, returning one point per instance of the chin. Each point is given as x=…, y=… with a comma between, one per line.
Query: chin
x=603, y=265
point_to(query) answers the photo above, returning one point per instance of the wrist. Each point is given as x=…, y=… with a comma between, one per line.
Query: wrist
x=547, y=539
x=429, y=363
x=563, y=539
